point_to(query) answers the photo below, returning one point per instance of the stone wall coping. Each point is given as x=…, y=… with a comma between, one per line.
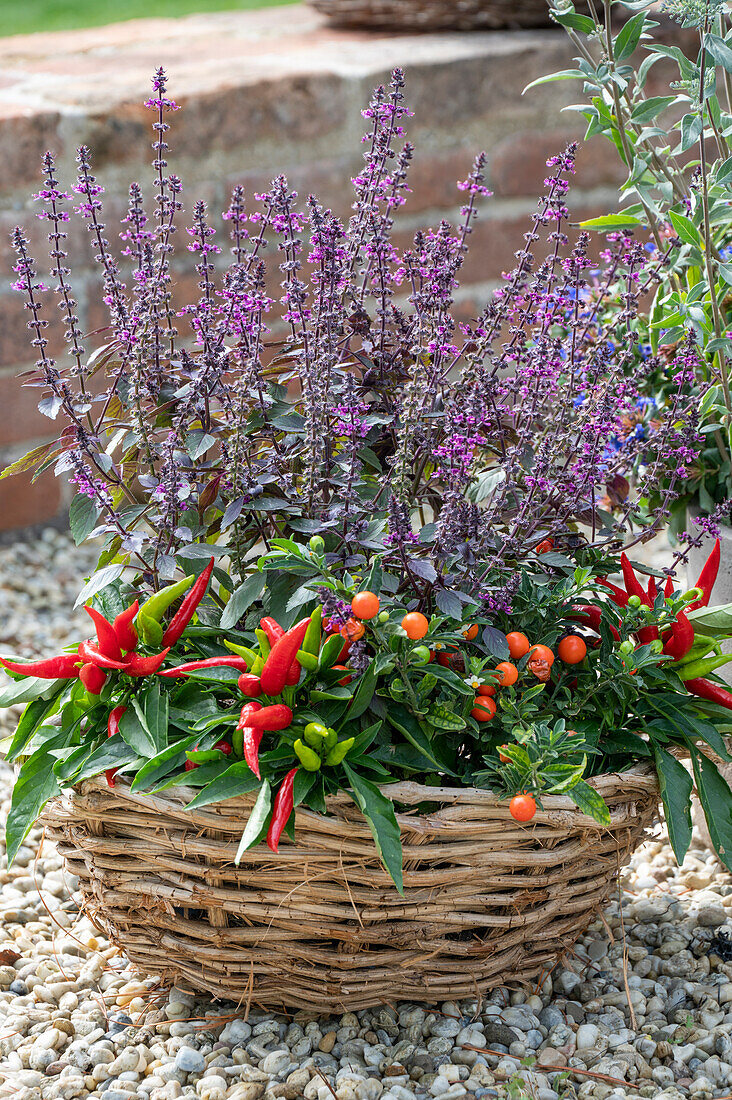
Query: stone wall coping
x=100, y=68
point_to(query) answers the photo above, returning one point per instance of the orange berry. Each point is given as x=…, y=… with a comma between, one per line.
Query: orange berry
x=415, y=625
x=572, y=649
x=522, y=807
x=483, y=708
x=501, y=757
x=471, y=632
x=365, y=605
x=507, y=673
x=352, y=630
x=346, y=679
x=518, y=644
x=545, y=546
x=542, y=653
x=487, y=689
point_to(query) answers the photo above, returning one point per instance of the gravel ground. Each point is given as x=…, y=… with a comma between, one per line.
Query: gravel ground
x=641, y=1006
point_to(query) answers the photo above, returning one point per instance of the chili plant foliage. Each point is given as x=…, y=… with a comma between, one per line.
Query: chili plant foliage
x=674, y=142
x=349, y=540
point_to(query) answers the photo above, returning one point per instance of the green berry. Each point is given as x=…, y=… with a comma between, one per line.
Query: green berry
x=634, y=601
x=317, y=544
x=383, y=616
x=421, y=655
x=626, y=648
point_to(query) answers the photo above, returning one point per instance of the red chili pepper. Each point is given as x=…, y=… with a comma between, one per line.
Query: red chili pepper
x=283, y=806
x=246, y=711
x=682, y=638
x=619, y=595
x=632, y=585
x=108, y=644
x=282, y=654
x=293, y=674
x=238, y=663
x=187, y=609
x=705, y=689
x=272, y=629
x=652, y=591
x=669, y=590
x=65, y=667
x=91, y=654
x=145, y=666
x=92, y=678
x=124, y=628
x=224, y=747
x=276, y=717
x=707, y=577
x=112, y=728
x=251, y=740
x=250, y=685
x=591, y=616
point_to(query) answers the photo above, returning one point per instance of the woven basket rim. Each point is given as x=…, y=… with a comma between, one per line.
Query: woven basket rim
x=641, y=777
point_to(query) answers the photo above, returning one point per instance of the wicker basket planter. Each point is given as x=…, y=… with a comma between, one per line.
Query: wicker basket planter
x=433, y=15
x=320, y=926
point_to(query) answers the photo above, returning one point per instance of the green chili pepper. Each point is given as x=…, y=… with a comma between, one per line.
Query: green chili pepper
x=701, y=647
x=204, y=756
x=339, y=752
x=700, y=669
x=331, y=651
x=237, y=742
x=306, y=660
x=263, y=642
x=149, y=629
x=158, y=604
x=311, y=641
x=307, y=756
x=331, y=738
x=315, y=733
x=242, y=651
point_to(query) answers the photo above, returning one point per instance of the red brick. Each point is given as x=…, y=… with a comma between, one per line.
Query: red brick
x=23, y=503
x=15, y=336
x=24, y=138
x=518, y=164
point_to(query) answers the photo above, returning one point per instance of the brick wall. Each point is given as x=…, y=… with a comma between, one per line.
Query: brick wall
x=263, y=93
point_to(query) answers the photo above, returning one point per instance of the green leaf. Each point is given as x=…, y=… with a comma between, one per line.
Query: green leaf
x=83, y=515
x=256, y=826
x=611, y=221
x=676, y=786
x=379, y=812
x=112, y=753
x=589, y=802
x=567, y=74
x=647, y=109
x=155, y=703
x=242, y=599
x=28, y=689
x=719, y=50
x=574, y=21
x=716, y=621
x=134, y=731
x=685, y=229
x=35, y=784
x=30, y=720
x=629, y=37
x=716, y=799
x=153, y=770
x=28, y=461
x=363, y=693
x=237, y=779
x=98, y=581
x=409, y=727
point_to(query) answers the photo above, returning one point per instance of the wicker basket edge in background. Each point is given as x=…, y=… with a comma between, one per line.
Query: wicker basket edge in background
x=434, y=15
x=320, y=926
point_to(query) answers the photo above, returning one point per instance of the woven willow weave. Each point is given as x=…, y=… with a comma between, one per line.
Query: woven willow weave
x=320, y=926
x=432, y=15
